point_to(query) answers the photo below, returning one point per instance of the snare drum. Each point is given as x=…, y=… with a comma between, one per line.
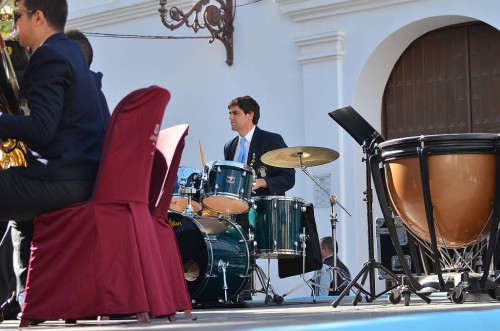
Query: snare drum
x=186, y=178
x=204, y=243
x=228, y=186
x=276, y=222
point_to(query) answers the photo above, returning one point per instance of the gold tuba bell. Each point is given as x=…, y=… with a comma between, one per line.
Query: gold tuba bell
x=12, y=152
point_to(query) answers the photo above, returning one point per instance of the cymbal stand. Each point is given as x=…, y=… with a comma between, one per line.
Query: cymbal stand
x=333, y=220
x=311, y=282
x=369, y=266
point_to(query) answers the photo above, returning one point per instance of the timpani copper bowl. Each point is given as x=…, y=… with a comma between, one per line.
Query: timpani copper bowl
x=456, y=173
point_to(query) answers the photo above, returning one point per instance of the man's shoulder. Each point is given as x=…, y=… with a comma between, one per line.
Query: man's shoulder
x=55, y=50
x=229, y=142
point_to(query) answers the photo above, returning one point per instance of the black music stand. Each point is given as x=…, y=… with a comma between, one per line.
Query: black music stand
x=368, y=138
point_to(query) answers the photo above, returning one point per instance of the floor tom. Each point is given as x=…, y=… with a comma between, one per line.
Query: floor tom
x=277, y=223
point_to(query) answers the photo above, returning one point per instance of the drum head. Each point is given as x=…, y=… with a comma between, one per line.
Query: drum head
x=179, y=204
x=226, y=204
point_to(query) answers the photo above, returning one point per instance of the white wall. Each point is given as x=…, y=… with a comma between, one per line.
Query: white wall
x=300, y=60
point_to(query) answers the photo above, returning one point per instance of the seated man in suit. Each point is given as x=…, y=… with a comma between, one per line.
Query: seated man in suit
x=88, y=52
x=60, y=120
x=248, y=147
x=324, y=276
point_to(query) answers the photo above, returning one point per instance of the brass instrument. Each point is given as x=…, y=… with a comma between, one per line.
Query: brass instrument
x=12, y=152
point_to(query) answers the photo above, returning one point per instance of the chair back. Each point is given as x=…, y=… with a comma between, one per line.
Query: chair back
x=167, y=159
x=129, y=146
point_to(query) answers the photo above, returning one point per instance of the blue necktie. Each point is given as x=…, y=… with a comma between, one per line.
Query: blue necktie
x=243, y=152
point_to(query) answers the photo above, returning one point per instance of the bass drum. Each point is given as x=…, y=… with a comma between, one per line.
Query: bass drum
x=206, y=243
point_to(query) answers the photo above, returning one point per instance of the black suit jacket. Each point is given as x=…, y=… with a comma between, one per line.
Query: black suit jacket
x=279, y=180
x=61, y=117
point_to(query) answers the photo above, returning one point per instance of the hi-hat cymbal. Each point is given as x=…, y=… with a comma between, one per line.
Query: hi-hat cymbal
x=296, y=157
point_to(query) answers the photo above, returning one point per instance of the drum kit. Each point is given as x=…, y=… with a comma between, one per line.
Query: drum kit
x=218, y=255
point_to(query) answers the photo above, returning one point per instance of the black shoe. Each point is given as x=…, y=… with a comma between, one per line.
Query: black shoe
x=1, y=316
x=10, y=309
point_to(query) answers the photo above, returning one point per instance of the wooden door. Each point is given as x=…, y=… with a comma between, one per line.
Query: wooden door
x=447, y=81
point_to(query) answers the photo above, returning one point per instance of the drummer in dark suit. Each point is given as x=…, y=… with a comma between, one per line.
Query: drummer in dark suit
x=248, y=147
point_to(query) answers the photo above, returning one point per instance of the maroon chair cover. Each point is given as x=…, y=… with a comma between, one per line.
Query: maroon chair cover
x=169, y=151
x=97, y=258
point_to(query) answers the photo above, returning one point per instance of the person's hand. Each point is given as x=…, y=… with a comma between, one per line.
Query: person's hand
x=259, y=182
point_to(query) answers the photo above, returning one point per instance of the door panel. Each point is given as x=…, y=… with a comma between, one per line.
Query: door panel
x=447, y=81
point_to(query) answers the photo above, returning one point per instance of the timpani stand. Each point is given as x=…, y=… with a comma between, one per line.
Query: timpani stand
x=368, y=138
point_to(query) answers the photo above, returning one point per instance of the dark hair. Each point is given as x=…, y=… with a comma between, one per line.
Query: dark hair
x=326, y=242
x=55, y=11
x=84, y=43
x=248, y=105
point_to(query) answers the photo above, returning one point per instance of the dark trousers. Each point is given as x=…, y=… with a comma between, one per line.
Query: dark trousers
x=22, y=199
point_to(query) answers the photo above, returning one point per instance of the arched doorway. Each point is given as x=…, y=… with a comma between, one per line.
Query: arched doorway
x=446, y=81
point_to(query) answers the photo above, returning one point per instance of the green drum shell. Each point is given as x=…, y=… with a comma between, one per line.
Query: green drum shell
x=276, y=222
x=228, y=187
x=203, y=242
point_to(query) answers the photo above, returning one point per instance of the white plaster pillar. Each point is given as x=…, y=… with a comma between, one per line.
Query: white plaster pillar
x=321, y=56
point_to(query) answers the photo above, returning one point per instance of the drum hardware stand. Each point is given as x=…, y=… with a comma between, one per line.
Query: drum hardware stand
x=369, y=267
x=333, y=199
x=333, y=221
x=189, y=191
x=222, y=268
x=311, y=281
x=367, y=137
x=265, y=282
x=303, y=238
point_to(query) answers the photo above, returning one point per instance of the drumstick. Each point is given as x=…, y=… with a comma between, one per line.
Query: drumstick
x=201, y=155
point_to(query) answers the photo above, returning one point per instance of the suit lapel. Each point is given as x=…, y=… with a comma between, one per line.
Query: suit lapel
x=232, y=148
x=256, y=141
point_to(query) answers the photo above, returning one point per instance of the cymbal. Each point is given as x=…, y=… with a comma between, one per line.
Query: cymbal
x=291, y=157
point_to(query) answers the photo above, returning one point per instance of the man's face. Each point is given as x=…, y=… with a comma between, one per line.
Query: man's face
x=23, y=24
x=240, y=122
x=324, y=252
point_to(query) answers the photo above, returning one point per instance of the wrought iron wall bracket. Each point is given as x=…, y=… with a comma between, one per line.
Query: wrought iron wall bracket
x=218, y=20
